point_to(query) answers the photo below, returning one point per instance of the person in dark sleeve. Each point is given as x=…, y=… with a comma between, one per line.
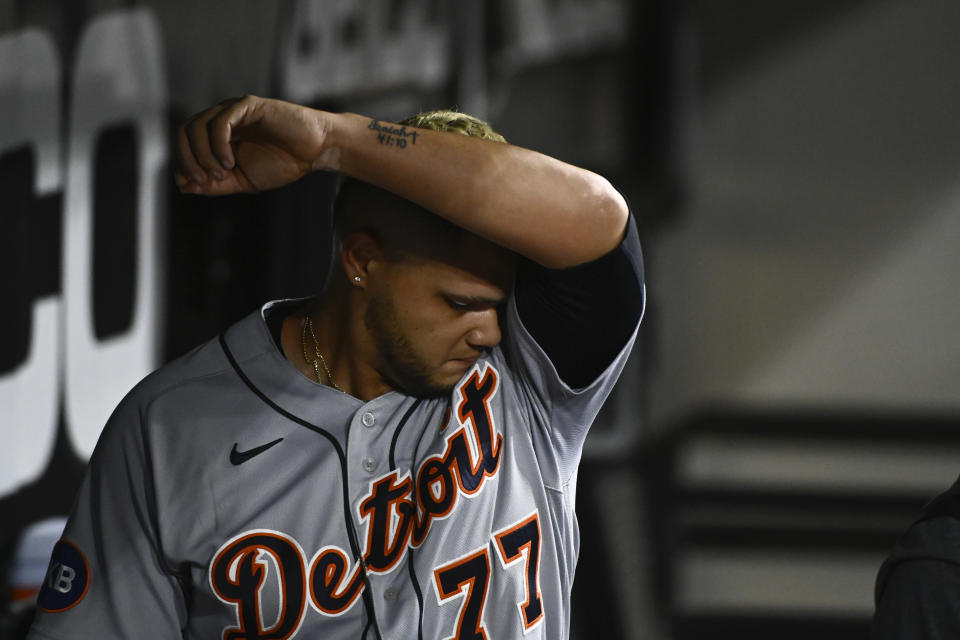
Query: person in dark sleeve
x=918, y=586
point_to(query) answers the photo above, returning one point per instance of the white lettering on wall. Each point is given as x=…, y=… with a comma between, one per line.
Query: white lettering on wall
x=118, y=78
x=541, y=30
x=30, y=109
x=334, y=48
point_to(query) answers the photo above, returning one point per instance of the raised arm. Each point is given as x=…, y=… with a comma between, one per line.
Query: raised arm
x=551, y=212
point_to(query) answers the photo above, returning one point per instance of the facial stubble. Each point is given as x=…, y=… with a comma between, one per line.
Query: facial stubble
x=399, y=363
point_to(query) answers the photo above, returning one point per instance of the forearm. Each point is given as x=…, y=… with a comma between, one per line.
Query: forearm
x=551, y=212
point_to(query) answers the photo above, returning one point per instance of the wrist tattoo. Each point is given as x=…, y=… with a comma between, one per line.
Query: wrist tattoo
x=393, y=136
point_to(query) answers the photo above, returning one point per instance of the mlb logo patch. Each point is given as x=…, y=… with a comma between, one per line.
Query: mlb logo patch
x=68, y=577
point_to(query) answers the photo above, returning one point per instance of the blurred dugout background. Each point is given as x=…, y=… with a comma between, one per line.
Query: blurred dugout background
x=794, y=397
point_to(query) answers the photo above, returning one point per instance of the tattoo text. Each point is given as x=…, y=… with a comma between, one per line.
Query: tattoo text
x=393, y=136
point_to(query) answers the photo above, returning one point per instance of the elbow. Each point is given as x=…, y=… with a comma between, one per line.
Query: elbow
x=595, y=230
x=612, y=217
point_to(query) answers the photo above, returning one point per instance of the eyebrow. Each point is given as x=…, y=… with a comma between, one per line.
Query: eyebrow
x=478, y=300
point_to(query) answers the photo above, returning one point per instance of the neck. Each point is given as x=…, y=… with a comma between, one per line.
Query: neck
x=342, y=339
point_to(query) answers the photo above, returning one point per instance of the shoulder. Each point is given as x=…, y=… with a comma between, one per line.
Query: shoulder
x=198, y=364
x=937, y=532
x=193, y=378
x=935, y=537
x=918, y=586
x=583, y=316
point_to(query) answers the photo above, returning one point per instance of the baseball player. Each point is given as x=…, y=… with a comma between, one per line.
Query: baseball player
x=395, y=458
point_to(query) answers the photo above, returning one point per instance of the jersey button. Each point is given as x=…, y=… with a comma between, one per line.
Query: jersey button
x=367, y=419
x=369, y=464
x=390, y=594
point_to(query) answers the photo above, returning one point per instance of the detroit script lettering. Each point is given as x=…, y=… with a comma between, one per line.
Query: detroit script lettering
x=398, y=513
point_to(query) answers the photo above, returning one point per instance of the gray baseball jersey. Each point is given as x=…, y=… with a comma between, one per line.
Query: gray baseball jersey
x=231, y=497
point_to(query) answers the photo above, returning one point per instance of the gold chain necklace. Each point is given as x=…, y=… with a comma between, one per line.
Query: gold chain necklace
x=305, y=326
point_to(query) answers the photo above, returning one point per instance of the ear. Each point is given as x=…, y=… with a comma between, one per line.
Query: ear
x=359, y=250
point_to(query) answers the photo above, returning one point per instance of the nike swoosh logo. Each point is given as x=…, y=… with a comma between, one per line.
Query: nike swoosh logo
x=239, y=457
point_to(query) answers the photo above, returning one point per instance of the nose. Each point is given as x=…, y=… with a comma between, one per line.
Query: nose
x=485, y=333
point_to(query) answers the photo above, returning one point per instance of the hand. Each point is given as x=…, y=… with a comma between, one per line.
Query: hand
x=251, y=144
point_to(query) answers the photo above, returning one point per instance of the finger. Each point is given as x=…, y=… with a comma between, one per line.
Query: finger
x=199, y=141
x=228, y=185
x=220, y=129
x=188, y=169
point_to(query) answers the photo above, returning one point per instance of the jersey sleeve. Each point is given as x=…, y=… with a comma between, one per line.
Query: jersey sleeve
x=582, y=316
x=568, y=336
x=106, y=577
